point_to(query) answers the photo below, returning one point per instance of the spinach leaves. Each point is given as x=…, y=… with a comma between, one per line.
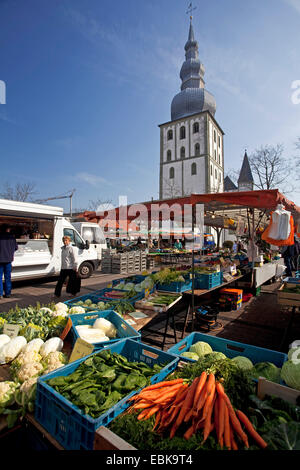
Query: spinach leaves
x=102, y=380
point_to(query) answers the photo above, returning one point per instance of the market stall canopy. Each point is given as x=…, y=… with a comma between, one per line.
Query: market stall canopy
x=266, y=199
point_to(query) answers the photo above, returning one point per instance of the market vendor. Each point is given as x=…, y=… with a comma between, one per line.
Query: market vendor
x=178, y=245
x=8, y=246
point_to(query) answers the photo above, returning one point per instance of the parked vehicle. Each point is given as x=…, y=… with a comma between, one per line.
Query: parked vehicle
x=39, y=230
x=92, y=233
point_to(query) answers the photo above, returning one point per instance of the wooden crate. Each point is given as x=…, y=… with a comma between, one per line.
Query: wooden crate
x=105, y=439
x=265, y=387
x=288, y=298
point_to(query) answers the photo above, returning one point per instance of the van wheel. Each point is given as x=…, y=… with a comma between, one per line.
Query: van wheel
x=85, y=270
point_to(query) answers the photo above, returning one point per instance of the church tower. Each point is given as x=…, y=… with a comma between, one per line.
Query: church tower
x=245, y=181
x=191, y=144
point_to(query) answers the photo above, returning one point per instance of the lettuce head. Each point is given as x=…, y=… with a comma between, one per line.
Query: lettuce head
x=201, y=348
x=290, y=373
x=267, y=370
x=242, y=362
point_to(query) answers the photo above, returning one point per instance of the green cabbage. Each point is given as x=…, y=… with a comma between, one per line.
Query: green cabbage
x=267, y=370
x=190, y=355
x=216, y=355
x=101, y=305
x=201, y=348
x=242, y=362
x=290, y=373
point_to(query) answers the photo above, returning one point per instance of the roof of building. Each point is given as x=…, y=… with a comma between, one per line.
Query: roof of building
x=245, y=173
x=193, y=97
x=229, y=184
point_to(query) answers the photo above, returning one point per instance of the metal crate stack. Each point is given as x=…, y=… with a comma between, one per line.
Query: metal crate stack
x=106, y=261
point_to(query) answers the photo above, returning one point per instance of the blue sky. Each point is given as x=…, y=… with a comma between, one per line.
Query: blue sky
x=89, y=81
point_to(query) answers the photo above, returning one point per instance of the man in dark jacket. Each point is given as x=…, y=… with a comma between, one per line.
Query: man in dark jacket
x=8, y=246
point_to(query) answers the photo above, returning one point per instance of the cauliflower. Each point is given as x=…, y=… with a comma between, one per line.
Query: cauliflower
x=26, y=386
x=53, y=367
x=29, y=370
x=7, y=393
x=61, y=306
x=22, y=359
x=75, y=310
x=54, y=358
x=25, y=395
x=53, y=361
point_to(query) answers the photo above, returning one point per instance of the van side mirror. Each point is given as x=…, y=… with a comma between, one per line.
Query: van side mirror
x=87, y=244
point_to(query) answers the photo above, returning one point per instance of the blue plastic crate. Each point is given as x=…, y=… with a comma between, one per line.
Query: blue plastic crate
x=292, y=280
x=208, y=281
x=229, y=348
x=66, y=422
x=175, y=286
x=95, y=297
x=135, y=278
x=98, y=296
x=132, y=300
x=124, y=330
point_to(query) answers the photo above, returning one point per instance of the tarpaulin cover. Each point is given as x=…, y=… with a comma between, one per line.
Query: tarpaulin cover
x=266, y=199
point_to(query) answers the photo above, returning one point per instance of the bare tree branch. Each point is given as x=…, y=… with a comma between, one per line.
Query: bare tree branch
x=18, y=192
x=270, y=168
x=100, y=204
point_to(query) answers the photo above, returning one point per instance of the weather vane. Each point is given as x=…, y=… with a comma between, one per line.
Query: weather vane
x=190, y=9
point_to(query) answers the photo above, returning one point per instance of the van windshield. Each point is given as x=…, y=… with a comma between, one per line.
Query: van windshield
x=93, y=235
x=75, y=238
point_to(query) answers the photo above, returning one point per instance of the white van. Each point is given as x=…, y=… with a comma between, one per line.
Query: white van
x=39, y=230
x=92, y=233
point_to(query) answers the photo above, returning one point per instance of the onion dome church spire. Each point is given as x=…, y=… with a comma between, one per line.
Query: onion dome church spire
x=193, y=97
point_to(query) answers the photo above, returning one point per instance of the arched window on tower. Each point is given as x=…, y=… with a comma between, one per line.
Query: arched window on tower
x=169, y=155
x=197, y=150
x=195, y=127
x=170, y=134
x=182, y=152
x=194, y=169
x=182, y=132
x=172, y=173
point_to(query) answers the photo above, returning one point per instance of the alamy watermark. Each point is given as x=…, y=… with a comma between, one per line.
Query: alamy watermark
x=2, y=92
x=296, y=94
x=152, y=219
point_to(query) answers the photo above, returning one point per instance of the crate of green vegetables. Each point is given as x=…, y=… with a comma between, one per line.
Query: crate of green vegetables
x=260, y=361
x=75, y=400
x=101, y=328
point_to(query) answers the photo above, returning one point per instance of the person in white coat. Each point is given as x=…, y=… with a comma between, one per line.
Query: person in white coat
x=69, y=266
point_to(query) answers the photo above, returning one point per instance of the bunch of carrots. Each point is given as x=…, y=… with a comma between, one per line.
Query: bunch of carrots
x=202, y=405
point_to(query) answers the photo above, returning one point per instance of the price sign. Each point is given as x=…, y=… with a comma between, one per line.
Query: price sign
x=222, y=261
x=81, y=349
x=11, y=330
